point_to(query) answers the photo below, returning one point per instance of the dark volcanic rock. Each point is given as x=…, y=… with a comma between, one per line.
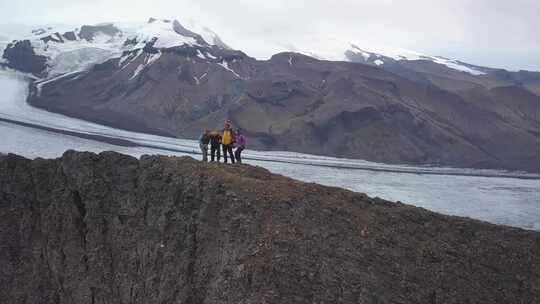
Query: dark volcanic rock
x=180, y=29
x=70, y=36
x=56, y=37
x=21, y=56
x=88, y=32
x=109, y=228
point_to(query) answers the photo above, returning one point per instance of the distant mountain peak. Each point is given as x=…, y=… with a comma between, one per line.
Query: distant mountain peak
x=172, y=33
x=380, y=56
x=76, y=48
x=340, y=50
x=164, y=34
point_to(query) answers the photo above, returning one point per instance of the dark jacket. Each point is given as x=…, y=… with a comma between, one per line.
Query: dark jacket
x=204, y=139
x=215, y=138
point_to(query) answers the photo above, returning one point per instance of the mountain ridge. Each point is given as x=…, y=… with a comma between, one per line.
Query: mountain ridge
x=336, y=50
x=169, y=80
x=297, y=103
x=87, y=228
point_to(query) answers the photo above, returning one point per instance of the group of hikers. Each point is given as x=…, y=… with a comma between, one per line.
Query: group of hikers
x=225, y=140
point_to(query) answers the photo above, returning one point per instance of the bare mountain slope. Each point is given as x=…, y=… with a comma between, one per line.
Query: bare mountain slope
x=294, y=102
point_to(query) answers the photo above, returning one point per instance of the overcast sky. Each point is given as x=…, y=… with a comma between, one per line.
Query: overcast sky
x=498, y=33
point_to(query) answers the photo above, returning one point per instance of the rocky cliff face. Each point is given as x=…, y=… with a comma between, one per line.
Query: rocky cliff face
x=109, y=228
x=21, y=56
x=89, y=32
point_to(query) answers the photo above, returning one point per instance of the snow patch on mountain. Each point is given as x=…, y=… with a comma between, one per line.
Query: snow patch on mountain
x=129, y=58
x=376, y=56
x=210, y=56
x=40, y=83
x=153, y=58
x=162, y=33
x=226, y=66
x=138, y=71
x=339, y=50
x=200, y=55
x=148, y=60
x=378, y=52
x=453, y=64
x=206, y=33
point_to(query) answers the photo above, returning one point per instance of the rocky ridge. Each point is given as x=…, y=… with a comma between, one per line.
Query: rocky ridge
x=109, y=228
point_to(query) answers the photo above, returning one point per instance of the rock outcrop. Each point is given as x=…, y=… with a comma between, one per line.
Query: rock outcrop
x=89, y=32
x=109, y=228
x=22, y=57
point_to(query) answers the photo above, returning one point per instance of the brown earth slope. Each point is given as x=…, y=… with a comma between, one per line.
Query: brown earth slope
x=109, y=228
x=293, y=102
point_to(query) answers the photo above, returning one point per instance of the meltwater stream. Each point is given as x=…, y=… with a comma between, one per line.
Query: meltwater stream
x=507, y=198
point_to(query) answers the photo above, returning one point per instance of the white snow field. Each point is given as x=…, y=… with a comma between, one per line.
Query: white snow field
x=509, y=198
x=165, y=34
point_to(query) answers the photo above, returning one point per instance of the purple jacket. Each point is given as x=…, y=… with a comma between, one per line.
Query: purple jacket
x=240, y=141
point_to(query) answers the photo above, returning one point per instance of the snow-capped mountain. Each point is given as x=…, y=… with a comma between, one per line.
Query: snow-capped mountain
x=382, y=56
x=51, y=51
x=338, y=50
x=167, y=34
x=172, y=78
x=54, y=50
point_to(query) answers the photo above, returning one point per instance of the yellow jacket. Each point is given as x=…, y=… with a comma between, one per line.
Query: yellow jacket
x=227, y=138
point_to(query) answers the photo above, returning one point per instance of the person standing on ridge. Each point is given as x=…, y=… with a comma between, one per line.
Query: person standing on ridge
x=227, y=141
x=215, y=145
x=240, y=144
x=204, y=140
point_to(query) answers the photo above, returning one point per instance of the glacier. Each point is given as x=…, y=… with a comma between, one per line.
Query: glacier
x=508, y=198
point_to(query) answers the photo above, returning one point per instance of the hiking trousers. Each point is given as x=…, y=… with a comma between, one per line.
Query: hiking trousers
x=238, y=154
x=213, y=151
x=228, y=149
